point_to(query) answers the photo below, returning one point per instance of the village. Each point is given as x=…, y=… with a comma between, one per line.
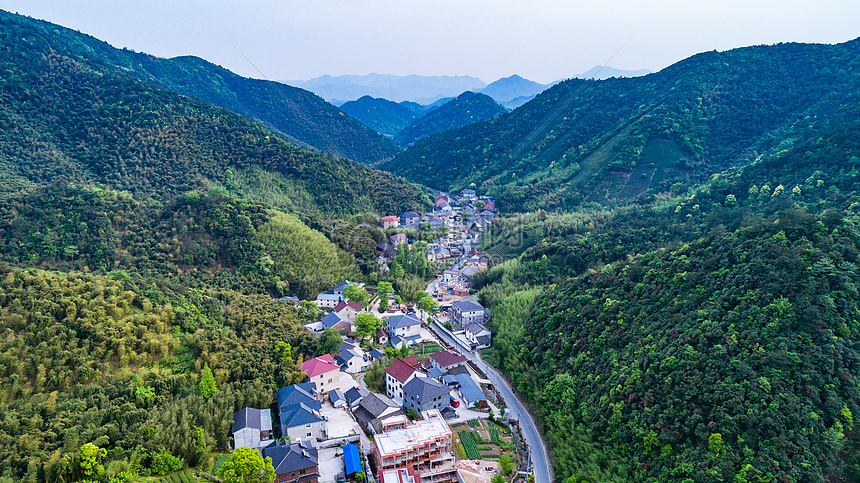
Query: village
x=397, y=402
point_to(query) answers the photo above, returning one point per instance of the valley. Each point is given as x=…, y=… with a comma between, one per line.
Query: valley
x=643, y=277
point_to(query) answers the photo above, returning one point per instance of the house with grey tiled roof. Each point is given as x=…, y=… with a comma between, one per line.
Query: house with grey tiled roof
x=465, y=312
x=293, y=461
x=252, y=428
x=423, y=393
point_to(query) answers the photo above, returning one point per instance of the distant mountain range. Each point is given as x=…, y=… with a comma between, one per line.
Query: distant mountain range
x=601, y=72
x=386, y=117
x=416, y=88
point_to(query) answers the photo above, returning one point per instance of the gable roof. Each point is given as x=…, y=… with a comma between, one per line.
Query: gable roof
x=355, y=394
x=470, y=391
x=319, y=365
x=389, y=218
x=377, y=404
x=399, y=321
x=398, y=236
x=299, y=415
x=425, y=389
x=476, y=329
x=467, y=306
x=344, y=304
x=288, y=457
x=295, y=394
x=259, y=419
x=401, y=369
x=409, y=214
x=447, y=358
x=331, y=319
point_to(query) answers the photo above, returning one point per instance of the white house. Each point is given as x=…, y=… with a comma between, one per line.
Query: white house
x=478, y=336
x=252, y=428
x=465, y=312
x=403, y=326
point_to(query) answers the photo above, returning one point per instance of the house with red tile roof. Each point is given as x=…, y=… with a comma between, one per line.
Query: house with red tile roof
x=445, y=360
x=347, y=309
x=323, y=371
x=389, y=222
x=399, y=373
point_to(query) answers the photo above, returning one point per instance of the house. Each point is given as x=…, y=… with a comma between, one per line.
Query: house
x=446, y=360
x=373, y=410
x=376, y=355
x=423, y=393
x=487, y=215
x=439, y=200
x=330, y=321
x=354, y=396
x=467, y=273
x=465, y=312
x=436, y=254
x=382, y=336
x=252, y=428
x=301, y=421
x=405, y=474
x=478, y=336
x=399, y=373
x=352, y=359
x=469, y=390
x=403, y=326
x=469, y=194
x=337, y=398
x=338, y=290
x=293, y=461
x=389, y=222
x=347, y=309
x=386, y=250
x=398, y=239
x=327, y=300
x=298, y=408
x=324, y=372
x=425, y=444
x=490, y=206
x=410, y=219
x=449, y=275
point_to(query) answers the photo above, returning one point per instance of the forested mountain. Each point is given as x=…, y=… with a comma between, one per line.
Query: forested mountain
x=382, y=115
x=67, y=116
x=584, y=140
x=712, y=336
x=299, y=115
x=466, y=109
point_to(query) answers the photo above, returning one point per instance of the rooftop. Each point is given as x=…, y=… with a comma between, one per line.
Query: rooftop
x=467, y=305
x=447, y=358
x=407, y=320
x=319, y=365
x=401, y=369
x=429, y=430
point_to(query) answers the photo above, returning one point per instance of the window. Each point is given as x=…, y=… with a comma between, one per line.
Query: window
x=307, y=425
x=309, y=435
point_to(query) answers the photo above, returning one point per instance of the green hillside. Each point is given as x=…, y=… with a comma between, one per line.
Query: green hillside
x=297, y=114
x=583, y=140
x=381, y=115
x=466, y=109
x=67, y=117
x=707, y=337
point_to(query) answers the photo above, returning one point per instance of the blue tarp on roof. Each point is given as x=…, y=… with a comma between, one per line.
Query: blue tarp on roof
x=351, y=460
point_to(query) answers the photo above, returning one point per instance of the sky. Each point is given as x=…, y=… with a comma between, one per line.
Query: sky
x=541, y=40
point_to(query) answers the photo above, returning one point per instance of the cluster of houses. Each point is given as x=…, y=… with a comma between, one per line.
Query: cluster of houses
x=420, y=446
x=466, y=216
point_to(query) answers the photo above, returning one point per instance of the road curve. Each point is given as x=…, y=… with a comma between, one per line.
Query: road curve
x=515, y=408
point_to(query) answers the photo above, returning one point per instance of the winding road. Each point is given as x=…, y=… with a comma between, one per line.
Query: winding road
x=514, y=410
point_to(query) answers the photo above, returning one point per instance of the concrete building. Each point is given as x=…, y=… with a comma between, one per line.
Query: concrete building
x=425, y=445
x=406, y=474
x=465, y=312
x=423, y=393
x=446, y=360
x=399, y=373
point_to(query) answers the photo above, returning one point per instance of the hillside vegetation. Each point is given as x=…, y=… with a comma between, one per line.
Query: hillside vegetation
x=467, y=108
x=68, y=117
x=381, y=115
x=297, y=114
x=585, y=140
x=709, y=337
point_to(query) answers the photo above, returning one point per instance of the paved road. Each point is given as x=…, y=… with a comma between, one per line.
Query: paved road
x=514, y=410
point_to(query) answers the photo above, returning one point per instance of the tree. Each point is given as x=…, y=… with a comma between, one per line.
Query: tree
x=247, y=466
x=207, y=386
x=360, y=476
x=366, y=324
x=164, y=463
x=425, y=302
x=90, y=454
x=507, y=464
x=383, y=291
x=498, y=479
x=328, y=342
x=356, y=294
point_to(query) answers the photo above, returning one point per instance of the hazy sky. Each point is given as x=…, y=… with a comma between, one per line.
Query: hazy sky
x=539, y=39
